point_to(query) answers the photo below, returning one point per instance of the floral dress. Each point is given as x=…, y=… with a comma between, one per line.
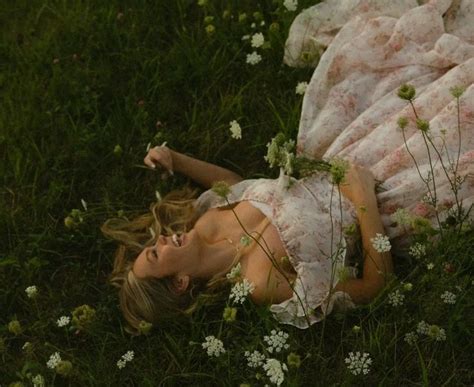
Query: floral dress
x=351, y=110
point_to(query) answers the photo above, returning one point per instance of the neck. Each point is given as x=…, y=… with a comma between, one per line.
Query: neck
x=215, y=258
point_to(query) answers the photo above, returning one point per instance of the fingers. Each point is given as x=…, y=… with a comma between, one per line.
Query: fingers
x=159, y=155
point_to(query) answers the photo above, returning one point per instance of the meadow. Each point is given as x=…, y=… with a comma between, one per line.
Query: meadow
x=86, y=87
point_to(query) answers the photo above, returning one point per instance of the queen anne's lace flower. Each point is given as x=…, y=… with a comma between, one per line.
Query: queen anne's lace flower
x=448, y=297
x=417, y=250
x=422, y=327
x=254, y=359
x=257, y=40
x=301, y=88
x=358, y=363
x=253, y=58
x=54, y=360
x=275, y=371
x=235, y=129
x=215, y=347
x=402, y=216
x=290, y=5
x=396, y=298
x=430, y=266
x=31, y=291
x=381, y=243
x=241, y=290
x=63, y=321
x=437, y=333
x=126, y=357
x=121, y=364
x=411, y=338
x=234, y=272
x=276, y=341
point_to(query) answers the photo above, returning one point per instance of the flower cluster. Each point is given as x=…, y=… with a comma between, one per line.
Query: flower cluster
x=214, y=347
x=290, y=5
x=411, y=338
x=279, y=153
x=433, y=331
x=253, y=58
x=54, y=360
x=396, y=298
x=381, y=243
x=126, y=357
x=254, y=359
x=241, y=290
x=275, y=371
x=63, y=321
x=276, y=341
x=31, y=291
x=257, y=40
x=235, y=129
x=448, y=297
x=234, y=272
x=418, y=250
x=301, y=88
x=402, y=216
x=358, y=363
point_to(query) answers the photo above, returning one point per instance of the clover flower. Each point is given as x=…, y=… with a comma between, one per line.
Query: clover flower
x=418, y=250
x=54, y=360
x=235, y=129
x=411, y=338
x=254, y=359
x=234, y=272
x=275, y=371
x=241, y=290
x=301, y=88
x=358, y=363
x=214, y=347
x=31, y=291
x=253, y=58
x=257, y=40
x=63, y=321
x=290, y=5
x=276, y=341
x=381, y=243
x=396, y=298
x=448, y=297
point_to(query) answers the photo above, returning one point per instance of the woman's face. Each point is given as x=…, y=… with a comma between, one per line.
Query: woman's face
x=165, y=258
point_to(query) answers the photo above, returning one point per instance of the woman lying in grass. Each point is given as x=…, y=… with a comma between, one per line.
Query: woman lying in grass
x=293, y=241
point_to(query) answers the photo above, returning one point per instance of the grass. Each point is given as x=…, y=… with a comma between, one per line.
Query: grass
x=79, y=78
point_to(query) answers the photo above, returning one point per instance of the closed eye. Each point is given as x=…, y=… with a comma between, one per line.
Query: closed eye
x=153, y=252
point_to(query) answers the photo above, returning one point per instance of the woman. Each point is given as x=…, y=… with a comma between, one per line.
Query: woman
x=350, y=110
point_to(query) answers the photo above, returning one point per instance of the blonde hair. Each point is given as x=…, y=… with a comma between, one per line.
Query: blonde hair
x=151, y=299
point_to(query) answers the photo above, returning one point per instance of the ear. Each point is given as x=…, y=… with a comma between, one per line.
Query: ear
x=179, y=284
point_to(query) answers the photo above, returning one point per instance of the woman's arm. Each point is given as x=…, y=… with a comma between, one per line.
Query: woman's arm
x=377, y=266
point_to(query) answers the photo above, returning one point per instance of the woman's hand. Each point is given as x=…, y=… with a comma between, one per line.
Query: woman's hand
x=160, y=155
x=358, y=183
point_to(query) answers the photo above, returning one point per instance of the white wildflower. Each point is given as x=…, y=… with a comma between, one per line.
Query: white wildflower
x=276, y=341
x=301, y=88
x=241, y=290
x=234, y=272
x=448, y=297
x=121, y=364
x=128, y=356
x=381, y=243
x=423, y=327
x=38, y=381
x=246, y=37
x=358, y=364
x=275, y=371
x=257, y=40
x=54, y=360
x=235, y=129
x=396, y=298
x=63, y=321
x=254, y=359
x=411, y=338
x=253, y=58
x=214, y=346
x=437, y=333
x=290, y=5
x=84, y=204
x=31, y=291
x=402, y=216
x=430, y=266
x=418, y=250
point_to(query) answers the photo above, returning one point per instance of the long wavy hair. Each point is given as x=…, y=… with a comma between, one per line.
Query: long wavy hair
x=152, y=299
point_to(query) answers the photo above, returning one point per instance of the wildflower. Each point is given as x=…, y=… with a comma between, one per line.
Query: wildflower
x=275, y=371
x=210, y=29
x=407, y=287
x=215, y=347
x=63, y=321
x=14, y=327
x=257, y=40
x=221, y=188
x=338, y=169
x=229, y=314
x=276, y=341
x=418, y=250
x=64, y=367
x=402, y=216
x=83, y=316
x=253, y=58
x=235, y=129
x=457, y=91
x=301, y=88
x=245, y=240
x=290, y=5
x=254, y=359
x=448, y=297
x=437, y=333
x=241, y=290
x=396, y=298
x=358, y=364
x=234, y=272
x=406, y=92
x=145, y=327
x=38, y=381
x=54, y=360
x=208, y=19
x=293, y=360
x=262, y=23
x=31, y=291
x=121, y=364
x=422, y=328
x=128, y=356
x=242, y=17
x=411, y=338
x=381, y=243
x=402, y=122
x=423, y=125
x=246, y=37
x=430, y=266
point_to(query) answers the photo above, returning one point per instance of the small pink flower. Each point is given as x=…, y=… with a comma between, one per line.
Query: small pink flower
x=421, y=209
